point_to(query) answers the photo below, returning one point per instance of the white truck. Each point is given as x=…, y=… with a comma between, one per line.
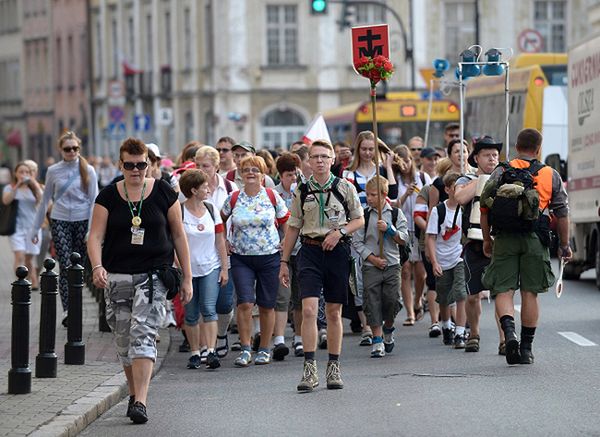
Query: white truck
x=584, y=157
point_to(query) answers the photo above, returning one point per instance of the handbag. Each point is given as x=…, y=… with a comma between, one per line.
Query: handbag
x=170, y=277
x=8, y=217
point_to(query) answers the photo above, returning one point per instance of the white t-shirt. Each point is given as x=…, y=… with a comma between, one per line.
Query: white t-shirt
x=201, y=233
x=447, y=251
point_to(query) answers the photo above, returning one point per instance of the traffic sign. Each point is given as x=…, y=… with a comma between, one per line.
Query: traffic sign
x=164, y=116
x=370, y=41
x=116, y=93
x=530, y=41
x=117, y=130
x=141, y=123
x=115, y=113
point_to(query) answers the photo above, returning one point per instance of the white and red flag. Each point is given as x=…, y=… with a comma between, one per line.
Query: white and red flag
x=317, y=130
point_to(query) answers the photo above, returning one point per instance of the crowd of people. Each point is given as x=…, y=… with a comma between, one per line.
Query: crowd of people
x=252, y=241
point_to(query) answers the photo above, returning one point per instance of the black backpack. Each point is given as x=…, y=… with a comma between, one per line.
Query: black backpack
x=441, y=211
x=515, y=205
x=404, y=249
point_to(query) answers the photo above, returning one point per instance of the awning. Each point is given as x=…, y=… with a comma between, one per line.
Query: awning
x=14, y=139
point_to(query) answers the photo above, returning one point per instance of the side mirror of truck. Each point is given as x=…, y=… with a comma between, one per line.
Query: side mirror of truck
x=557, y=164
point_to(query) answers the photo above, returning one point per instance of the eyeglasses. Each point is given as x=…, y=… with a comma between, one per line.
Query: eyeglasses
x=129, y=166
x=320, y=157
x=251, y=170
x=70, y=149
x=224, y=150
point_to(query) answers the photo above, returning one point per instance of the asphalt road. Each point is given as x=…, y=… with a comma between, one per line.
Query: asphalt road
x=422, y=389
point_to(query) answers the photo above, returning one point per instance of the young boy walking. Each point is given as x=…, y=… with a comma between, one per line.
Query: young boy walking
x=381, y=275
x=444, y=249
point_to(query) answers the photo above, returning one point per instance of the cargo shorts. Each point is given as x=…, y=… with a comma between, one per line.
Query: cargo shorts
x=519, y=261
x=133, y=320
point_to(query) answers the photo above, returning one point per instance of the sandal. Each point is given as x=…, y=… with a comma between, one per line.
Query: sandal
x=419, y=313
x=409, y=322
x=472, y=344
x=222, y=351
x=366, y=338
x=502, y=348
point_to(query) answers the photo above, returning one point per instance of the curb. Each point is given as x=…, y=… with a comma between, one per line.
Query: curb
x=82, y=412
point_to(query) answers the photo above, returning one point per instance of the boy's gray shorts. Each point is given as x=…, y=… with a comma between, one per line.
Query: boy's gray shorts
x=451, y=286
x=381, y=292
x=133, y=320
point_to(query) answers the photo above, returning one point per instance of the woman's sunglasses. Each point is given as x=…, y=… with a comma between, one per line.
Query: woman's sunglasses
x=70, y=149
x=131, y=165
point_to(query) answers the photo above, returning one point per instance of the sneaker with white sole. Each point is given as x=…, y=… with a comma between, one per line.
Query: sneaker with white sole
x=388, y=339
x=194, y=362
x=243, y=359
x=262, y=357
x=298, y=349
x=378, y=350
x=435, y=330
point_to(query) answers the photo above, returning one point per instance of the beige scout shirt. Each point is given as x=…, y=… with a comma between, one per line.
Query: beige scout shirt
x=335, y=216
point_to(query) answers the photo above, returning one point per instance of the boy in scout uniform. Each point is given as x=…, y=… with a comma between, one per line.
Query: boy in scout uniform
x=327, y=210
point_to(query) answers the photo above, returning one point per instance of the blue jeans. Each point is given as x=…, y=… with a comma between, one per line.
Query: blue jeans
x=225, y=300
x=204, y=300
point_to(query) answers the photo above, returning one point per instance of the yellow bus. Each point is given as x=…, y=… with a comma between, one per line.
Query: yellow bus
x=399, y=117
x=538, y=99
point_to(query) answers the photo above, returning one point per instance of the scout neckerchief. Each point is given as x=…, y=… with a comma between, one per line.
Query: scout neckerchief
x=136, y=220
x=322, y=189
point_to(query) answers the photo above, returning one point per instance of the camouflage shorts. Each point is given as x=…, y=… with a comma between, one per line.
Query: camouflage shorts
x=131, y=317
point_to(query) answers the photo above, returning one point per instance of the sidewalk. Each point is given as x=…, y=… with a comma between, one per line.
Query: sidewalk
x=65, y=405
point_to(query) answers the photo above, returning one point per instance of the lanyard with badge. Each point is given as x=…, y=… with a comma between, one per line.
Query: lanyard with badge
x=137, y=232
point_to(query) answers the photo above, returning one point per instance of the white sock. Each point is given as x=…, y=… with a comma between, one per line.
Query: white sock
x=447, y=324
x=196, y=352
x=211, y=350
x=223, y=323
x=278, y=339
x=297, y=339
x=459, y=330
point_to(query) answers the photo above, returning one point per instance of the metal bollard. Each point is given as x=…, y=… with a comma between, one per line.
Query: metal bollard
x=46, y=361
x=75, y=347
x=19, y=376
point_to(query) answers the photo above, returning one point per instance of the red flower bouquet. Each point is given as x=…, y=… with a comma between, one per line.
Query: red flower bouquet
x=375, y=69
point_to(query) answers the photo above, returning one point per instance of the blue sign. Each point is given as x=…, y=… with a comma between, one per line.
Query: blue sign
x=116, y=113
x=117, y=130
x=141, y=123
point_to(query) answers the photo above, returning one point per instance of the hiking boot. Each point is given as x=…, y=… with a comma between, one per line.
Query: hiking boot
x=256, y=342
x=322, y=339
x=130, y=405
x=138, y=413
x=243, y=359
x=310, y=377
x=280, y=351
x=526, y=353
x=212, y=361
x=434, y=330
x=447, y=336
x=194, y=362
x=388, y=339
x=366, y=338
x=262, y=357
x=472, y=344
x=378, y=350
x=298, y=349
x=334, y=376
x=459, y=341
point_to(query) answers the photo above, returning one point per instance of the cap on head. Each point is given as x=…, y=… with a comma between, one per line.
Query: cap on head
x=155, y=149
x=244, y=145
x=429, y=152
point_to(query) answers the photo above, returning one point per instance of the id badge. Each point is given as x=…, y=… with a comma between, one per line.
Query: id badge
x=137, y=236
x=333, y=221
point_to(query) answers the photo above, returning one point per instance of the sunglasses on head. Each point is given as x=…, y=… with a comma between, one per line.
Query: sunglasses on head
x=131, y=165
x=70, y=149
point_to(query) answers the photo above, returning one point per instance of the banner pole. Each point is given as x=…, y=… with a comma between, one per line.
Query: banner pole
x=374, y=110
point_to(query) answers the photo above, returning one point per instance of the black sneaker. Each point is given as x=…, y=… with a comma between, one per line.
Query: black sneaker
x=130, y=405
x=194, y=362
x=212, y=361
x=138, y=413
x=256, y=342
x=280, y=351
x=298, y=349
x=459, y=341
x=185, y=346
x=448, y=336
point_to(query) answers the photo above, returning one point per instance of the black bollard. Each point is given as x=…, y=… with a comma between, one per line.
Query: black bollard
x=75, y=348
x=19, y=376
x=46, y=361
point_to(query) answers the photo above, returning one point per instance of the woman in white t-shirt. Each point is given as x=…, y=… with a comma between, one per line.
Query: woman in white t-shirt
x=208, y=257
x=28, y=192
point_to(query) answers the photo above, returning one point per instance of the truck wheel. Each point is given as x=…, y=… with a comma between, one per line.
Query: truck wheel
x=597, y=266
x=571, y=272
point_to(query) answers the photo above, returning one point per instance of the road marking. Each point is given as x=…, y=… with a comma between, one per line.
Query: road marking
x=518, y=307
x=577, y=339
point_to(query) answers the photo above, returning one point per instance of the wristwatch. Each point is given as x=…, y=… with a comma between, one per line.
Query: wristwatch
x=343, y=232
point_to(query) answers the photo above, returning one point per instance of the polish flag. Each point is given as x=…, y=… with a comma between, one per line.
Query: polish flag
x=316, y=131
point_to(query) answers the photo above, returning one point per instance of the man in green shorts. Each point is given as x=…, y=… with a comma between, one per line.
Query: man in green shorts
x=519, y=251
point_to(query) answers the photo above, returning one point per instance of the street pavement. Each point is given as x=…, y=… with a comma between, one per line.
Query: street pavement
x=65, y=405
x=422, y=389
